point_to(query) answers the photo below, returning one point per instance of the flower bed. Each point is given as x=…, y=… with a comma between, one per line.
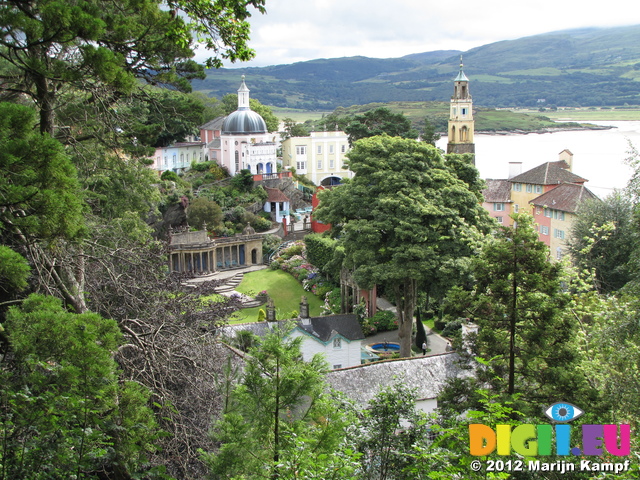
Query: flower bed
x=293, y=261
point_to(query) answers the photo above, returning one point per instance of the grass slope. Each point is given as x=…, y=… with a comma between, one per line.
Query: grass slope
x=281, y=287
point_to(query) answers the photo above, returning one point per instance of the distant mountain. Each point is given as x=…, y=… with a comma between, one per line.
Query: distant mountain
x=584, y=67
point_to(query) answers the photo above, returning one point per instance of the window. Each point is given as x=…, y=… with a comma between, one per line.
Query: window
x=517, y=187
x=537, y=188
x=464, y=111
x=529, y=189
x=337, y=343
x=301, y=165
x=319, y=149
x=558, y=215
x=499, y=219
x=498, y=207
x=301, y=150
x=544, y=230
x=547, y=212
x=319, y=164
x=516, y=208
x=343, y=148
x=558, y=233
x=337, y=366
x=559, y=253
x=330, y=149
x=331, y=163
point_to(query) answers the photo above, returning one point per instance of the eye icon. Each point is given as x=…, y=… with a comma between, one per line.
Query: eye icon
x=563, y=412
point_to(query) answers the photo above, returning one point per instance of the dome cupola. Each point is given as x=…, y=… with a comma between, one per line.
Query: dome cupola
x=244, y=121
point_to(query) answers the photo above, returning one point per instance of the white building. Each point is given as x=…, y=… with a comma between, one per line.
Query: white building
x=245, y=142
x=320, y=156
x=337, y=337
x=179, y=157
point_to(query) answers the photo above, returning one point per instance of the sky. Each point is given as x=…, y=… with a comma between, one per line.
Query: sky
x=299, y=30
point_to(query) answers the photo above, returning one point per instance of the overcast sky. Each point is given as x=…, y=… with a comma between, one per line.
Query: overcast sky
x=298, y=30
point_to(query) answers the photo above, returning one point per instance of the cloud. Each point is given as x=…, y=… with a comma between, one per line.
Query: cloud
x=295, y=30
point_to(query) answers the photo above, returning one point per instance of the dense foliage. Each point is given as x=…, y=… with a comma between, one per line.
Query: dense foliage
x=405, y=218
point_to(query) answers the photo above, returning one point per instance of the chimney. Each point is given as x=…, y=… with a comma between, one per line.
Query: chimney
x=304, y=311
x=515, y=168
x=567, y=156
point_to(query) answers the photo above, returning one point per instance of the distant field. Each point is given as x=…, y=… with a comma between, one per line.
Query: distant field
x=297, y=115
x=586, y=114
x=486, y=119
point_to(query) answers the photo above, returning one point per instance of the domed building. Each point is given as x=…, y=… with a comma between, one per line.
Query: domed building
x=242, y=141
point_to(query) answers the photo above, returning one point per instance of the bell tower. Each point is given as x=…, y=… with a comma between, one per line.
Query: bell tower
x=461, y=124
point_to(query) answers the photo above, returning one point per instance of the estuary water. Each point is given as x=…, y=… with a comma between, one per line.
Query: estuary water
x=598, y=155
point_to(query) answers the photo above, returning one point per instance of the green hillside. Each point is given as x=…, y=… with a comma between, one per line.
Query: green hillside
x=585, y=67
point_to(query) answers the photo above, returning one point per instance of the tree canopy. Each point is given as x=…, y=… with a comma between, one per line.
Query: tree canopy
x=403, y=219
x=378, y=122
x=51, y=47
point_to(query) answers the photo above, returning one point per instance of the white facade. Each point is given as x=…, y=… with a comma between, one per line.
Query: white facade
x=255, y=152
x=245, y=142
x=320, y=156
x=178, y=157
x=338, y=351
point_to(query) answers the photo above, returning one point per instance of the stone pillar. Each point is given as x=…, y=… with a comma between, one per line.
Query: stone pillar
x=304, y=308
x=271, y=311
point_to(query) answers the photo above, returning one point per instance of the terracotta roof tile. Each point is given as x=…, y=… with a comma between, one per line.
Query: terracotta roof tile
x=497, y=191
x=276, y=195
x=566, y=197
x=550, y=173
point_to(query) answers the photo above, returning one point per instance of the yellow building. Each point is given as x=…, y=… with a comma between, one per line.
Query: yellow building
x=319, y=157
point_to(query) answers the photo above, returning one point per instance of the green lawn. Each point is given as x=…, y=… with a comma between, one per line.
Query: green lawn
x=281, y=287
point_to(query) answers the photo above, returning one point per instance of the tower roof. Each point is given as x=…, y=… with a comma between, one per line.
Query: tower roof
x=244, y=121
x=461, y=76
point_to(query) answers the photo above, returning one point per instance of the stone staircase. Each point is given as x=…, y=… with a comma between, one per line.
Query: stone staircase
x=230, y=285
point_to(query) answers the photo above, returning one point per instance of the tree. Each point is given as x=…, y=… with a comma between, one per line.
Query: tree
x=390, y=431
x=524, y=334
x=63, y=413
x=201, y=211
x=279, y=416
x=404, y=218
x=169, y=333
x=52, y=47
x=602, y=239
x=429, y=134
x=243, y=180
x=293, y=129
x=39, y=191
x=377, y=122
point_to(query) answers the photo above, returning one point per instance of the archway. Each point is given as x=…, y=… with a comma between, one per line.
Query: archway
x=331, y=181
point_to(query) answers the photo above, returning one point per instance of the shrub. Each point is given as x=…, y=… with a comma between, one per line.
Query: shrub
x=319, y=249
x=261, y=224
x=384, y=321
x=201, y=167
x=452, y=328
x=170, y=176
x=292, y=250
